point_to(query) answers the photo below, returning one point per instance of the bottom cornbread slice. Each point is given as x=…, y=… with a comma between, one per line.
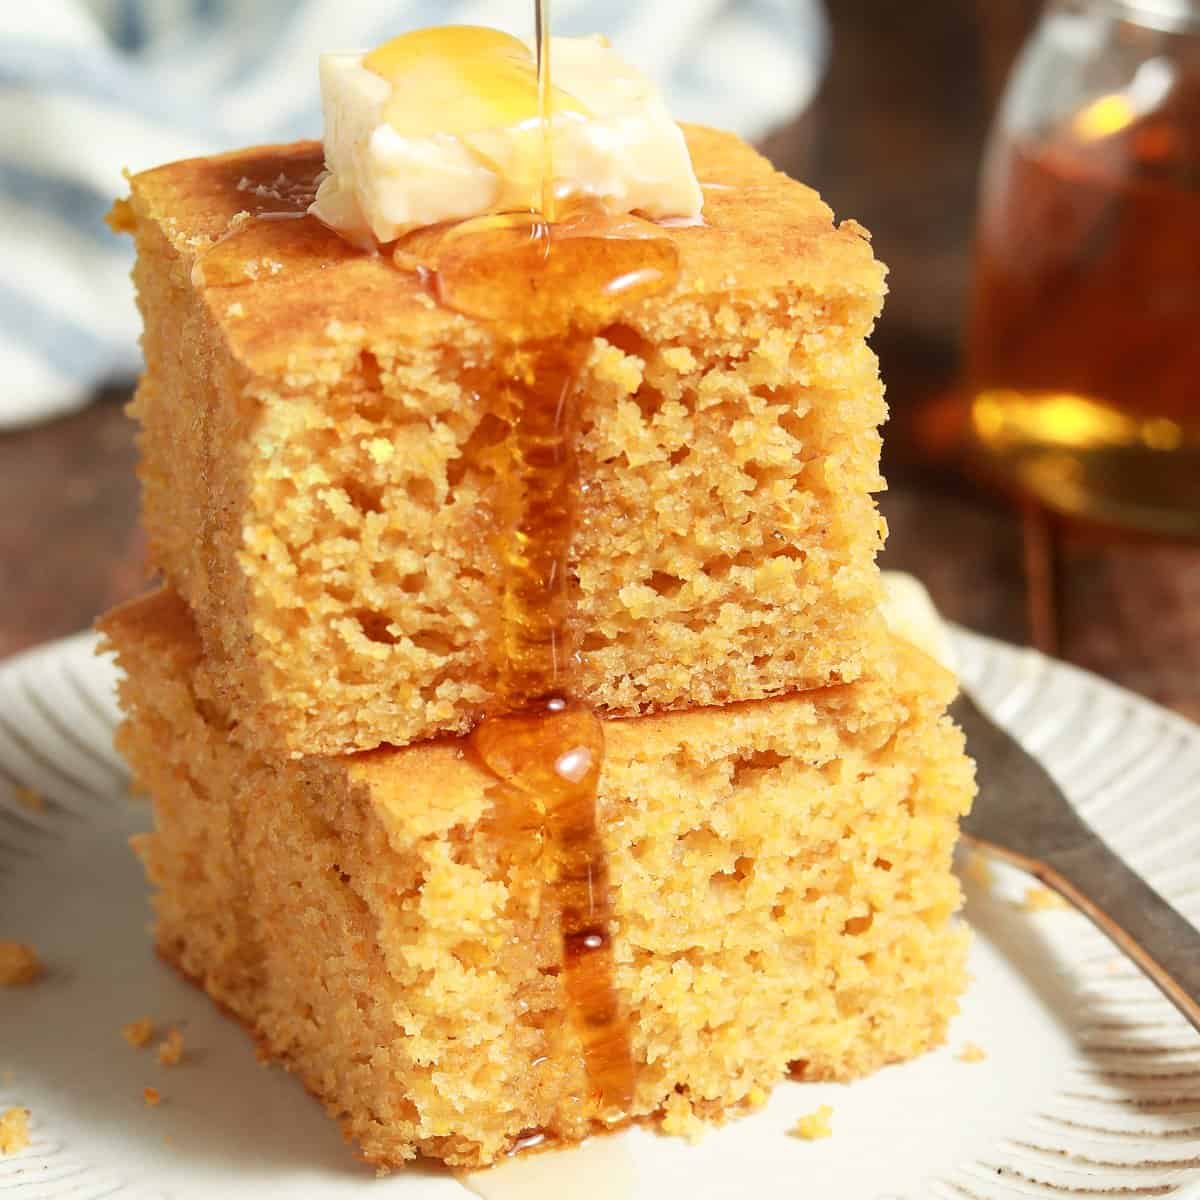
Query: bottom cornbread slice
x=783, y=898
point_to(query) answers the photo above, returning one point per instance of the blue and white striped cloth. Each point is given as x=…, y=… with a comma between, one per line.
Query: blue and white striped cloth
x=88, y=87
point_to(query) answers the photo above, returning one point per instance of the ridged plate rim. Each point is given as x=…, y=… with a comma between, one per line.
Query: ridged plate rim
x=1124, y=1121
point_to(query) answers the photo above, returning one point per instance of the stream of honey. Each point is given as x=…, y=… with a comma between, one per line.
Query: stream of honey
x=545, y=102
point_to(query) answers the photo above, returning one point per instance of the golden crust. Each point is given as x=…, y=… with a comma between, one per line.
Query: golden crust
x=763, y=231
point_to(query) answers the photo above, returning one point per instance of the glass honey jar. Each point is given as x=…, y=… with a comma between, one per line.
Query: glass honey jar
x=1083, y=355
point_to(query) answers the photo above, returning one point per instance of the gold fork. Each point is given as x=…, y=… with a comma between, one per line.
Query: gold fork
x=1022, y=816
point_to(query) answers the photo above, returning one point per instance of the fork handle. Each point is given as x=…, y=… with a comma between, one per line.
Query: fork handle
x=1123, y=906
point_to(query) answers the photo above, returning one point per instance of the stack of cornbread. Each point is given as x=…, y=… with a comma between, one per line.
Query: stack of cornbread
x=781, y=788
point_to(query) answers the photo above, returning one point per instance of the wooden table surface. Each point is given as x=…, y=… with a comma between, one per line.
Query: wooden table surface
x=894, y=141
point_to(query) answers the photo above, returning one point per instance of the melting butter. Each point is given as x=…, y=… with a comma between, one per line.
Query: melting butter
x=442, y=124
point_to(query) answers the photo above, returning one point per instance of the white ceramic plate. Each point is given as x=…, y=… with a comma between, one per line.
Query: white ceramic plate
x=1091, y=1086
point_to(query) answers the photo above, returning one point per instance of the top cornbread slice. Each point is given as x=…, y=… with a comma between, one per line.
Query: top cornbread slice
x=319, y=469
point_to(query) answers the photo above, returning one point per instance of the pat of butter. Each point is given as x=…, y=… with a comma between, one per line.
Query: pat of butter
x=909, y=612
x=429, y=143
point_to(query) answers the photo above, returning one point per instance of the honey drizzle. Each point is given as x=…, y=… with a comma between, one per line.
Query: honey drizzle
x=547, y=283
x=548, y=286
x=545, y=101
x=225, y=264
x=545, y=750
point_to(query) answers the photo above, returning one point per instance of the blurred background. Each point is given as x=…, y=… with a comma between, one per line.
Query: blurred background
x=884, y=108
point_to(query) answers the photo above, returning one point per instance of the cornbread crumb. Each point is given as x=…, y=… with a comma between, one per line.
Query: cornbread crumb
x=977, y=868
x=971, y=1052
x=679, y=1119
x=14, y=1131
x=30, y=798
x=120, y=218
x=1041, y=899
x=815, y=1125
x=151, y=1096
x=380, y=449
x=170, y=1049
x=19, y=964
x=138, y=1033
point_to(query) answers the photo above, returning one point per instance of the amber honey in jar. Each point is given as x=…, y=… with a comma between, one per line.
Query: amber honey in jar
x=1084, y=343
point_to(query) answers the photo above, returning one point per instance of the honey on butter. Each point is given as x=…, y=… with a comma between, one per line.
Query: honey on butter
x=460, y=80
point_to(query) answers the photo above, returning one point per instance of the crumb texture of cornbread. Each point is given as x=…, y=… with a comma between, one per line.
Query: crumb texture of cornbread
x=782, y=884
x=814, y=1126
x=321, y=461
x=170, y=1049
x=14, y=1130
x=138, y=1033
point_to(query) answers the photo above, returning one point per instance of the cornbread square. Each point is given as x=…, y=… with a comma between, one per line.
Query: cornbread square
x=319, y=475
x=781, y=881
